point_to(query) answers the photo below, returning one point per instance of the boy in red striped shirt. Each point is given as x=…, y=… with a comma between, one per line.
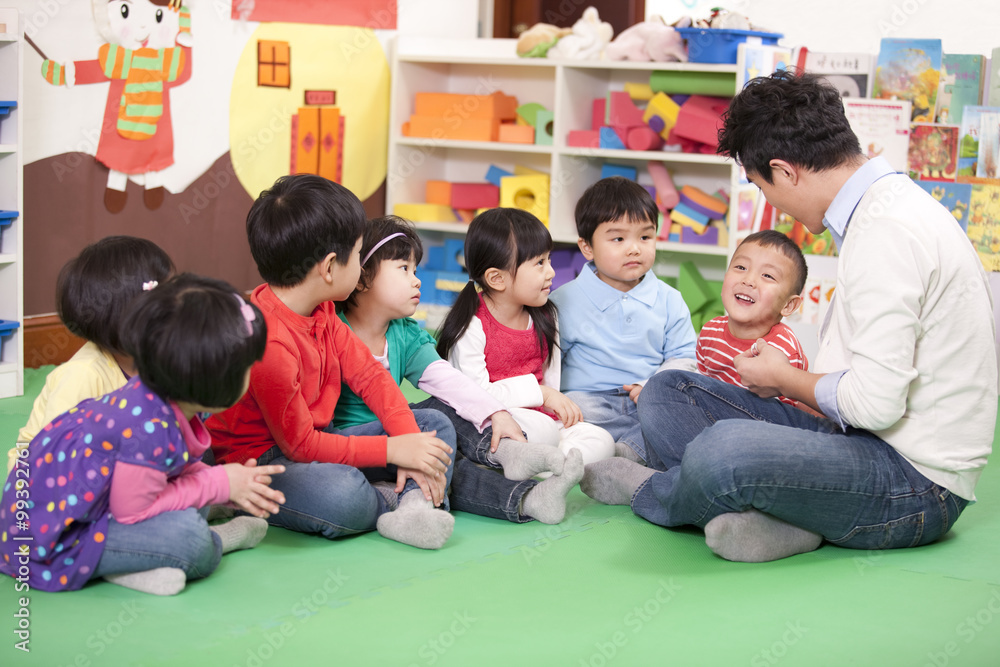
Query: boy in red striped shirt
x=762, y=285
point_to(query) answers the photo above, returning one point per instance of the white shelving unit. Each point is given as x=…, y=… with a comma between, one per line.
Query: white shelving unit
x=11, y=236
x=567, y=87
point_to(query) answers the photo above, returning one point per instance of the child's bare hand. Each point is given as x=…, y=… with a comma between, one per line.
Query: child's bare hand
x=504, y=426
x=633, y=391
x=760, y=368
x=567, y=411
x=432, y=487
x=422, y=452
x=249, y=487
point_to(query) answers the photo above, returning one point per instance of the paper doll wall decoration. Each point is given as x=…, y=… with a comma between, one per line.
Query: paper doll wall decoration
x=147, y=52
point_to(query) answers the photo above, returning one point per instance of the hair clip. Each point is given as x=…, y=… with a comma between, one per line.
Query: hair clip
x=146, y=286
x=248, y=313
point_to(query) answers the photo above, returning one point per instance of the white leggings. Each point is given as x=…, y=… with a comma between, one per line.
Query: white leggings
x=594, y=443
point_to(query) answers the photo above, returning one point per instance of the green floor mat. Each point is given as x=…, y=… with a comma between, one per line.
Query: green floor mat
x=602, y=589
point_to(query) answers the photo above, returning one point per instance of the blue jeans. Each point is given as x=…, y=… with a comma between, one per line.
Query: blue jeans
x=475, y=489
x=616, y=413
x=335, y=500
x=724, y=449
x=179, y=539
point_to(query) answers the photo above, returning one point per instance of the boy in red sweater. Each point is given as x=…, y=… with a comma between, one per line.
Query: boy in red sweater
x=305, y=236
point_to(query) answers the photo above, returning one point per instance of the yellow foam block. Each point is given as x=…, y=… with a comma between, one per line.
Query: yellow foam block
x=421, y=212
x=661, y=114
x=639, y=92
x=723, y=231
x=684, y=220
x=529, y=193
x=520, y=170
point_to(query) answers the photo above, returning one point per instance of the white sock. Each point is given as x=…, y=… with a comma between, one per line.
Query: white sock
x=524, y=460
x=417, y=522
x=755, y=537
x=614, y=481
x=160, y=581
x=546, y=501
x=243, y=532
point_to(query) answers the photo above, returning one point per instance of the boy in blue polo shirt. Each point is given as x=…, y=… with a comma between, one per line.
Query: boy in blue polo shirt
x=618, y=323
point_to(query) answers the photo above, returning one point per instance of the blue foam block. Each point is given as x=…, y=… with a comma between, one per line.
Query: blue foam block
x=495, y=173
x=608, y=170
x=434, y=258
x=454, y=252
x=610, y=139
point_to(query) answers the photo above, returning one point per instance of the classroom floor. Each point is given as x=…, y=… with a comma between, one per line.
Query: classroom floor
x=602, y=588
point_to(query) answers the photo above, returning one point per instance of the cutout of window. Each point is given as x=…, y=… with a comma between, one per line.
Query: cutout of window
x=274, y=64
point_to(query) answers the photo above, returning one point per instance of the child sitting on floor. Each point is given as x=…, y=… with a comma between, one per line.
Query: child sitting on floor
x=379, y=312
x=111, y=488
x=305, y=236
x=762, y=285
x=93, y=292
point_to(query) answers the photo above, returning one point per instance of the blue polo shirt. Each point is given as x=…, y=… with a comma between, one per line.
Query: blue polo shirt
x=611, y=338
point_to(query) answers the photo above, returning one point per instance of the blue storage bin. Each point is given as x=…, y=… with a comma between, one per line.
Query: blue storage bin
x=719, y=45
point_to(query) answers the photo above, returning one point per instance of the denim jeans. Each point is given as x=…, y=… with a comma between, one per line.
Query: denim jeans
x=335, y=500
x=475, y=489
x=179, y=539
x=616, y=413
x=723, y=449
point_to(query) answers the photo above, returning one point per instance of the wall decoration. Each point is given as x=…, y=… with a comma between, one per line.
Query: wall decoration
x=374, y=14
x=274, y=67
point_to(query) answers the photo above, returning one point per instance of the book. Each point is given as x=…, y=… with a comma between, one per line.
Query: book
x=956, y=197
x=882, y=128
x=933, y=152
x=991, y=94
x=988, y=156
x=850, y=73
x=961, y=85
x=968, y=139
x=984, y=223
x=909, y=69
x=753, y=60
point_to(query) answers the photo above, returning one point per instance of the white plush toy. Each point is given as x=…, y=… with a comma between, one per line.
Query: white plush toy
x=589, y=37
x=650, y=40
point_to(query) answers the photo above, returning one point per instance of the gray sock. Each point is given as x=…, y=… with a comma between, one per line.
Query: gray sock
x=161, y=581
x=524, y=460
x=614, y=481
x=626, y=452
x=243, y=532
x=755, y=537
x=216, y=512
x=388, y=491
x=417, y=522
x=546, y=501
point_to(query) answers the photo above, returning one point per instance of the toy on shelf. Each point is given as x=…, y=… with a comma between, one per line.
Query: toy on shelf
x=529, y=192
x=666, y=193
x=435, y=116
x=649, y=40
x=587, y=41
x=536, y=41
x=702, y=298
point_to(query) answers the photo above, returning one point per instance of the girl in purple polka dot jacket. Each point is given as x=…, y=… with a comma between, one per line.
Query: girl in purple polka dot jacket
x=111, y=488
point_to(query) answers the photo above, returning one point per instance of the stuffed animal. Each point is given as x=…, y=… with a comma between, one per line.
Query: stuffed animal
x=536, y=41
x=589, y=37
x=650, y=40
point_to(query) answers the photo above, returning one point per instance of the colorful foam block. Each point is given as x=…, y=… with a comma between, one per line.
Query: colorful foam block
x=622, y=110
x=434, y=258
x=666, y=192
x=694, y=289
x=709, y=205
x=597, y=114
x=579, y=261
x=692, y=83
x=454, y=255
x=562, y=276
x=543, y=127
x=529, y=192
x=561, y=258
x=685, y=210
x=495, y=173
x=421, y=212
x=709, y=237
x=608, y=170
x=474, y=195
x=723, y=231
x=516, y=134
x=438, y=192
x=700, y=119
x=529, y=111
x=686, y=221
x=642, y=138
x=461, y=105
x=583, y=139
x=639, y=92
x=465, y=215
x=610, y=139
x=457, y=129
x=661, y=114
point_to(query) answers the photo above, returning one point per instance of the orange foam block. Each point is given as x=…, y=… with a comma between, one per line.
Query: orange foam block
x=460, y=106
x=458, y=129
x=707, y=204
x=438, y=192
x=516, y=134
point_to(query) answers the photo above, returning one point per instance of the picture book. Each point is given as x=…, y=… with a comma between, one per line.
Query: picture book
x=961, y=85
x=753, y=60
x=850, y=73
x=882, y=127
x=984, y=224
x=909, y=69
x=933, y=152
x=988, y=156
x=991, y=94
x=968, y=142
x=955, y=197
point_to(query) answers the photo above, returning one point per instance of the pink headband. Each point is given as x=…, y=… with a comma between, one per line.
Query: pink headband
x=248, y=313
x=379, y=245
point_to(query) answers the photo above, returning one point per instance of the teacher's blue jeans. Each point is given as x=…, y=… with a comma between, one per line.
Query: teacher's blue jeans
x=724, y=449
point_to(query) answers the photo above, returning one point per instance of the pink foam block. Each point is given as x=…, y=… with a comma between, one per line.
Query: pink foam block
x=474, y=195
x=597, y=114
x=700, y=118
x=665, y=190
x=584, y=139
x=622, y=110
x=643, y=138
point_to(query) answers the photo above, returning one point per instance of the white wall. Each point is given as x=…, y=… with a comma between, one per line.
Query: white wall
x=964, y=26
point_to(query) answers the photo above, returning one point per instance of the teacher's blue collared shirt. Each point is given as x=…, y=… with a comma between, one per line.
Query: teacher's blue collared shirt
x=836, y=219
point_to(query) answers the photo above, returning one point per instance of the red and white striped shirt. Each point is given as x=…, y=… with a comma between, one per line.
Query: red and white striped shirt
x=717, y=347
